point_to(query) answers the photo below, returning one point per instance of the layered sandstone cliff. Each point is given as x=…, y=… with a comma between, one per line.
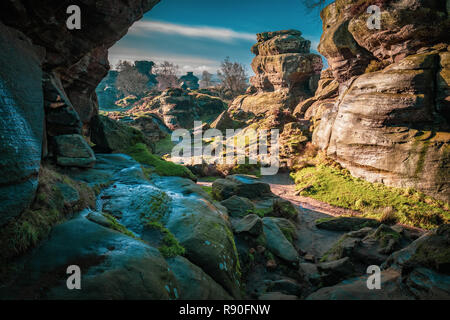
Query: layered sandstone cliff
x=389, y=122
x=48, y=76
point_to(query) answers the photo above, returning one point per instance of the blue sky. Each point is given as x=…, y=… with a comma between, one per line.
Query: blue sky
x=198, y=34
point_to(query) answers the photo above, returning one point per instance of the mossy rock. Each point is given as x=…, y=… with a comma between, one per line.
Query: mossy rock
x=434, y=252
x=110, y=135
x=284, y=209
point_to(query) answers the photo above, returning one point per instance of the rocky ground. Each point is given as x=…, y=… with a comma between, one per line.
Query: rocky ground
x=81, y=187
x=152, y=237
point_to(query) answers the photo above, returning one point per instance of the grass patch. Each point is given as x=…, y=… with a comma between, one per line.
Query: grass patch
x=141, y=154
x=260, y=212
x=164, y=146
x=171, y=247
x=329, y=183
x=208, y=190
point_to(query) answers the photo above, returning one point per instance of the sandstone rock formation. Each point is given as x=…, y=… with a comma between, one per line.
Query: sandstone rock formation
x=21, y=121
x=286, y=73
x=179, y=108
x=283, y=67
x=35, y=41
x=389, y=122
x=107, y=93
x=189, y=81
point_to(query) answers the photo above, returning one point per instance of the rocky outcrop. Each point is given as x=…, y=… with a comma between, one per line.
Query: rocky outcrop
x=113, y=136
x=78, y=56
x=406, y=26
x=385, y=126
x=21, y=121
x=286, y=73
x=283, y=67
x=189, y=81
x=107, y=93
x=418, y=271
x=383, y=114
x=36, y=41
x=179, y=108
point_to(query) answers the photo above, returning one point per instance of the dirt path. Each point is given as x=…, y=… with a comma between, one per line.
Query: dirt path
x=309, y=238
x=283, y=186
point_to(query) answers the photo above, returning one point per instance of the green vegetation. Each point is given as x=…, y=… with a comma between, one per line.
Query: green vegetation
x=48, y=209
x=328, y=182
x=261, y=212
x=171, y=247
x=284, y=209
x=141, y=154
x=115, y=225
x=208, y=179
x=208, y=190
x=164, y=146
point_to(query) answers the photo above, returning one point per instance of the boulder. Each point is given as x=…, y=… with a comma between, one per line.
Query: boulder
x=277, y=242
x=114, y=266
x=223, y=189
x=285, y=286
x=194, y=283
x=284, y=209
x=249, y=186
x=335, y=271
x=113, y=136
x=237, y=206
x=251, y=224
x=72, y=150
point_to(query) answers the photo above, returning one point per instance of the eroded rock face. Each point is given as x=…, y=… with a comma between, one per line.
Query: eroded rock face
x=406, y=26
x=385, y=126
x=79, y=56
x=21, y=121
x=283, y=61
x=37, y=41
x=179, y=108
x=285, y=73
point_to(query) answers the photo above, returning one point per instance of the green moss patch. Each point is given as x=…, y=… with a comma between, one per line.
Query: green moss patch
x=170, y=247
x=208, y=190
x=261, y=212
x=116, y=225
x=49, y=208
x=329, y=183
x=141, y=154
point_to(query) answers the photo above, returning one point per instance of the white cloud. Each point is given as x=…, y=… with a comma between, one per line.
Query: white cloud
x=213, y=33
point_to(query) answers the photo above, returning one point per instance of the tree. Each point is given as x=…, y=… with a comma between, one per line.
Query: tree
x=206, y=79
x=166, y=74
x=233, y=77
x=130, y=81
